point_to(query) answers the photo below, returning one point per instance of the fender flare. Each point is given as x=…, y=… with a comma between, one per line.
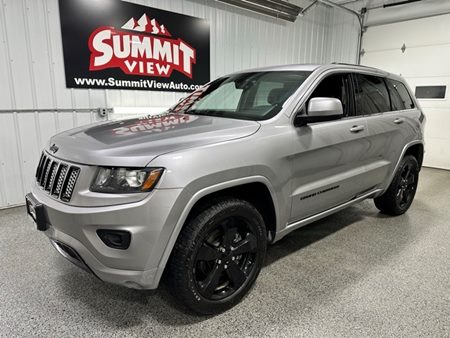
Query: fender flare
x=194, y=199
x=405, y=149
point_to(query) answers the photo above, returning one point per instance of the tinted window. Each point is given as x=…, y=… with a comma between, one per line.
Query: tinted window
x=430, y=92
x=336, y=86
x=404, y=94
x=371, y=95
x=396, y=100
x=400, y=97
x=250, y=96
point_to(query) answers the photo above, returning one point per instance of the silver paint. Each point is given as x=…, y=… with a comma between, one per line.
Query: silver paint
x=310, y=172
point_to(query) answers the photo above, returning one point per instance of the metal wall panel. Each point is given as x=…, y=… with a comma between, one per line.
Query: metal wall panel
x=23, y=136
x=343, y=38
x=32, y=69
x=424, y=62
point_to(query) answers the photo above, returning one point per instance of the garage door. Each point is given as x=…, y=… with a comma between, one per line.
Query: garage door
x=419, y=50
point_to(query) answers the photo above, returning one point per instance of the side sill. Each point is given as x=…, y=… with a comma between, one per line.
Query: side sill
x=295, y=225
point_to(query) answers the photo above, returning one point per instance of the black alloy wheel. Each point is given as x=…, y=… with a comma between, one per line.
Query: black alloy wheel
x=400, y=194
x=225, y=259
x=218, y=256
x=406, y=186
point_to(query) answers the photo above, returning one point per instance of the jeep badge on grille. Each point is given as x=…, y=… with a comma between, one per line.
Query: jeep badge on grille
x=54, y=148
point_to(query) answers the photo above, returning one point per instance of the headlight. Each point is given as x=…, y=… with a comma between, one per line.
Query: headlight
x=125, y=180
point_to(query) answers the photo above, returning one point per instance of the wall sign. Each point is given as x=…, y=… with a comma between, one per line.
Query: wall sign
x=112, y=44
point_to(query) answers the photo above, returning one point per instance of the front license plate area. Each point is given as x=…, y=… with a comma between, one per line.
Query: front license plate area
x=37, y=212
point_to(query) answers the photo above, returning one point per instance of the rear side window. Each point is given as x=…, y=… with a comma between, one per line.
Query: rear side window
x=400, y=97
x=371, y=95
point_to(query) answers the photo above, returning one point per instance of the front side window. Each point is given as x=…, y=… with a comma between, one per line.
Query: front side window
x=371, y=95
x=249, y=96
x=338, y=87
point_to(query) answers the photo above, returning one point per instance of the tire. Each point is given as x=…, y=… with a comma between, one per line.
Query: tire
x=398, y=197
x=218, y=256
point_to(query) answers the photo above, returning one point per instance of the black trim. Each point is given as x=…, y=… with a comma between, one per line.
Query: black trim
x=37, y=212
x=72, y=255
x=116, y=239
x=303, y=120
x=389, y=94
x=400, y=3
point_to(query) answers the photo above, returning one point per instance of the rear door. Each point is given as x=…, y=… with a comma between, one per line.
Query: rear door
x=378, y=99
x=329, y=160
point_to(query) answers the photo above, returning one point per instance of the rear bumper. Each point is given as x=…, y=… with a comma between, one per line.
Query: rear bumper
x=72, y=231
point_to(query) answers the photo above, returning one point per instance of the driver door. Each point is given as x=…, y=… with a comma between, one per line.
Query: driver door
x=328, y=163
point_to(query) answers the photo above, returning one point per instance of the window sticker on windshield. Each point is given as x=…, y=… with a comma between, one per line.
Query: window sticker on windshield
x=184, y=105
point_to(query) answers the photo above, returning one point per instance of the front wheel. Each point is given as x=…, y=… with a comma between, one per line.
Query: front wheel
x=398, y=197
x=218, y=256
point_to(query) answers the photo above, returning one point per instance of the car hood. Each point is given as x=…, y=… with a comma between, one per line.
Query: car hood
x=135, y=142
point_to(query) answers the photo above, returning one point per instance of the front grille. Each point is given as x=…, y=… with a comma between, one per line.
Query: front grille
x=56, y=177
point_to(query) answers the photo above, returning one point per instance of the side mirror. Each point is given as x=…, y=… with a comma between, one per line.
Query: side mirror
x=320, y=109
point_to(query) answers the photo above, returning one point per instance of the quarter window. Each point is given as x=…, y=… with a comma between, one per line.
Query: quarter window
x=371, y=95
x=400, y=97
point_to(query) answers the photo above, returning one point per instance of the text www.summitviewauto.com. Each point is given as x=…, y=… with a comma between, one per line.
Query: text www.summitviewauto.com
x=141, y=84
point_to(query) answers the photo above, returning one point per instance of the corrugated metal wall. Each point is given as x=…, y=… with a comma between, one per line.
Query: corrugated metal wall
x=32, y=70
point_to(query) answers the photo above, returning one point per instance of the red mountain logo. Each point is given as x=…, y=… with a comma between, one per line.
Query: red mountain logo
x=148, y=49
x=145, y=24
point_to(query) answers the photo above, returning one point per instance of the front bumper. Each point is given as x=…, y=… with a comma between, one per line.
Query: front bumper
x=150, y=221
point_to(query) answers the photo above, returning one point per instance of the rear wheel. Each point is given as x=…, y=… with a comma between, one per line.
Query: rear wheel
x=398, y=197
x=218, y=256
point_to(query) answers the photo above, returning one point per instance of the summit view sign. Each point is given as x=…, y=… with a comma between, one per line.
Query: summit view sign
x=112, y=44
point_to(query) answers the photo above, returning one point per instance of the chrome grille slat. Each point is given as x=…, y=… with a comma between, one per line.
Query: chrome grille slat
x=44, y=171
x=39, y=167
x=51, y=180
x=48, y=174
x=64, y=178
x=69, y=184
x=57, y=178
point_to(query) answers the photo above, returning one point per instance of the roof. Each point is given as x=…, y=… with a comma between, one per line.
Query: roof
x=312, y=67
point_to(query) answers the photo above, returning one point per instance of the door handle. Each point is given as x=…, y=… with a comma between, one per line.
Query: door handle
x=399, y=120
x=356, y=129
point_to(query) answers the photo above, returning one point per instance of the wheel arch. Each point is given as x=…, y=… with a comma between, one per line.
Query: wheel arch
x=415, y=148
x=417, y=151
x=255, y=189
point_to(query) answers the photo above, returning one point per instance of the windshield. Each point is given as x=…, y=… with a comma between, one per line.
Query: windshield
x=249, y=96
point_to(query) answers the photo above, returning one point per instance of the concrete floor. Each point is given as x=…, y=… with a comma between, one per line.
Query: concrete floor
x=356, y=273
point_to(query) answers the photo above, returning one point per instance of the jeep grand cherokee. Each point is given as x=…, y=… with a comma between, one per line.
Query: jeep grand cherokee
x=199, y=192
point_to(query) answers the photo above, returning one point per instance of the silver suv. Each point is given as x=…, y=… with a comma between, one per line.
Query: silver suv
x=198, y=192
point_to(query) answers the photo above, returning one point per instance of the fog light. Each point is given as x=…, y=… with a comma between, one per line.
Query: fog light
x=116, y=239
